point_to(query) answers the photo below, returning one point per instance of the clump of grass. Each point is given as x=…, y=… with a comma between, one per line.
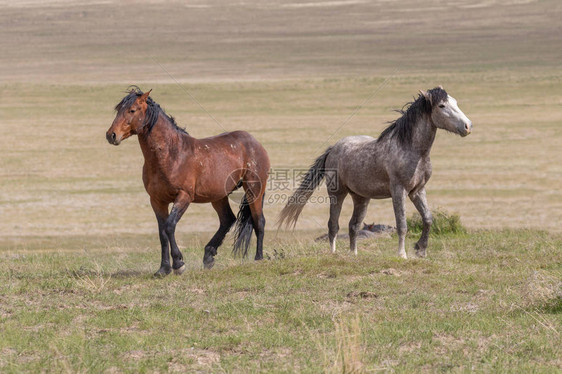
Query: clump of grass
x=443, y=224
x=94, y=281
x=276, y=254
x=542, y=291
x=349, y=347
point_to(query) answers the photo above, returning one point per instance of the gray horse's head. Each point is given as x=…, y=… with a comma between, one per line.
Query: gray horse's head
x=445, y=113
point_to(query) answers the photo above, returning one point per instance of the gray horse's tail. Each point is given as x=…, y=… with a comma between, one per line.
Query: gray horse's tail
x=314, y=176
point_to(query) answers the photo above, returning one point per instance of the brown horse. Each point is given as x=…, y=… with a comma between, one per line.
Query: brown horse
x=180, y=170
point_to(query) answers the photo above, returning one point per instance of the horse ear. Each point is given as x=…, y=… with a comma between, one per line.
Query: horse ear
x=144, y=96
x=427, y=96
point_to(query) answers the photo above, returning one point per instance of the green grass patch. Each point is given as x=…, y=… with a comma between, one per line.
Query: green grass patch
x=482, y=300
x=443, y=224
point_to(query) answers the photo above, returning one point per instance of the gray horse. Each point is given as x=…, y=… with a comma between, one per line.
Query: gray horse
x=395, y=165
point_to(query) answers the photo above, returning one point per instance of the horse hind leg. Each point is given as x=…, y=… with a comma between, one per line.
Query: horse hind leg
x=336, y=202
x=360, y=205
x=226, y=219
x=258, y=221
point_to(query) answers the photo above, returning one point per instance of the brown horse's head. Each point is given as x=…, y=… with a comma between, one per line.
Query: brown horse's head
x=130, y=118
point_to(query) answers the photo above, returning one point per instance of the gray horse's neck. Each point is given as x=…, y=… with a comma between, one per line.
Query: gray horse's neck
x=423, y=136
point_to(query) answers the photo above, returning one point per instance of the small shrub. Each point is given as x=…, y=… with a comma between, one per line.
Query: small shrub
x=443, y=224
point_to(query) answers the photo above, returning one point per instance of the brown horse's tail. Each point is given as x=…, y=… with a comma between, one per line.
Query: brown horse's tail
x=314, y=176
x=244, y=228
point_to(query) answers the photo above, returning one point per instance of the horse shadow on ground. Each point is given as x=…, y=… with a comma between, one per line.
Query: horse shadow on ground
x=119, y=274
x=368, y=231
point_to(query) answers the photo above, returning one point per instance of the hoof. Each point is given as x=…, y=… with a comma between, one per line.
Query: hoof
x=180, y=270
x=403, y=255
x=208, y=262
x=209, y=257
x=162, y=272
x=420, y=252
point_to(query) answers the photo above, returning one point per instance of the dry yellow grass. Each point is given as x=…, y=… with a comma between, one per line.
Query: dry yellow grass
x=60, y=177
x=290, y=73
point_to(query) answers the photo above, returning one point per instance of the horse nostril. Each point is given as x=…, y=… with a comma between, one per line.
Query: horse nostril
x=111, y=137
x=467, y=127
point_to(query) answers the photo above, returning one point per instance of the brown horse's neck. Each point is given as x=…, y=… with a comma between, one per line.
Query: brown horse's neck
x=163, y=142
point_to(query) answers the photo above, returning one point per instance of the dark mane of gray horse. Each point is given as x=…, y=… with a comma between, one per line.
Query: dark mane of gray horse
x=152, y=111
x=403, y=126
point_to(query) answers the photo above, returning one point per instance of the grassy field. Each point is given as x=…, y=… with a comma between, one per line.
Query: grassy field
x=78, y=240
x=486, y=301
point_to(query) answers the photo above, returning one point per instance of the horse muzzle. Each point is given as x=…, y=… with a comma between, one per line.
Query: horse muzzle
x=467, y=129
x=112, y=138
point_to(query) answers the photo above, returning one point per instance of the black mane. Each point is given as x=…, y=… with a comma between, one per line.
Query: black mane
x=403, y=126
x=153, y=110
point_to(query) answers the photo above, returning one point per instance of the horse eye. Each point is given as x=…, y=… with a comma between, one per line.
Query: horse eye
x=441, y=105
x=131, y=111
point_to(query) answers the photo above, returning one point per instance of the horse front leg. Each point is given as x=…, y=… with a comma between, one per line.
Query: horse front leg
x=161, y=212
x=420, y=201
x=398, y=199
x=178, y=209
